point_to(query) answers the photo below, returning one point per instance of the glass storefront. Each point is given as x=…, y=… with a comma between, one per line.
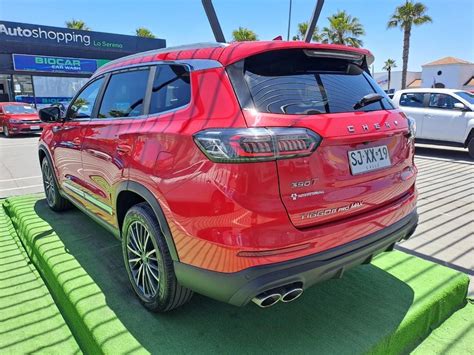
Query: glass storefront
x=6, y=93
x=41, y=91
x=23, y=88
x=50, y=90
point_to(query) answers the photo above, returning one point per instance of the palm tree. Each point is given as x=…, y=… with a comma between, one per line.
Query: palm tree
x=388, y=65
x=244, y=34
x=302, y=28
x=144, y=32
x=343, y=29
x=405, y=16
x=77, y=25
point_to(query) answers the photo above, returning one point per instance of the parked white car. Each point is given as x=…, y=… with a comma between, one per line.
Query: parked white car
x=443, y=116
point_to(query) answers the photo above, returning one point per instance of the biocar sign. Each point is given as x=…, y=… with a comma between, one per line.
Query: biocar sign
x=23, y=62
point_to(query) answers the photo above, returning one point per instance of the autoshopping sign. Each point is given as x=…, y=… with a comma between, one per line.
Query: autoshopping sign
x=30, y=34
x=41, y=63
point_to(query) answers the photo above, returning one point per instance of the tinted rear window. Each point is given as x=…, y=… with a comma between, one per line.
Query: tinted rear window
x=414, y=99
x=125, y=94
x=291, y=82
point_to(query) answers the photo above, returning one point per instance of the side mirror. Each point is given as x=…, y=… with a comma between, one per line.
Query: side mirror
x=460, y=106
x=50, y=114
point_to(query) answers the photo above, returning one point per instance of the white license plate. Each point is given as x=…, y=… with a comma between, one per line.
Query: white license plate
x=34, y=128
x=368, y=159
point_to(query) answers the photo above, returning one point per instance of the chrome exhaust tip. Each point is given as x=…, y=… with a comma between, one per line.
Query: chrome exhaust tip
x=265, y=300
x=291, y=294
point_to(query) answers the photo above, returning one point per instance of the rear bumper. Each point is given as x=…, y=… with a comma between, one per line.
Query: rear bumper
x=240, y=287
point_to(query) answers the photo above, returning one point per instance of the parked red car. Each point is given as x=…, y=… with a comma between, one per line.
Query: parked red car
x=248, y=171
x=19, y=118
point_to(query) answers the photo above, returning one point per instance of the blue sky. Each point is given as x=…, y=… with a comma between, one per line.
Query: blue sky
x=184, y=21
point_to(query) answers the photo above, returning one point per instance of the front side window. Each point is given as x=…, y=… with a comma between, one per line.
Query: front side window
x=171, y=88
x=84, y=104
x=19, y=109
x=295, y=82
x=124, y=95
x=443, y=101
x=414, y=99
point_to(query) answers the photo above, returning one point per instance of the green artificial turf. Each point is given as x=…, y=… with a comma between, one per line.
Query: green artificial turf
x=455, y=336
x=29, y=318
x=387, y=307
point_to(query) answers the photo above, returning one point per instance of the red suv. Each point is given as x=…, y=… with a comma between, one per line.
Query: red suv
x=18, y=118
x=244, y=172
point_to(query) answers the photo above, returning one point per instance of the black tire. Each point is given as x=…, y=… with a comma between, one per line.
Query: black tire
x=470, y=148
x=6, y=133
x=144, y=247
x=54, y=199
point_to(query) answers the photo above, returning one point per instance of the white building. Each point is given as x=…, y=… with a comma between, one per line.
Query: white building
x=448, y=72
x=395, y=79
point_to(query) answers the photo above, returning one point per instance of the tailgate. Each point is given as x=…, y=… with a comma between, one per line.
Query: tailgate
x=321, y=188
x=365, y=157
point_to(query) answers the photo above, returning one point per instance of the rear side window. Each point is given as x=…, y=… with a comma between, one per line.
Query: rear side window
x=124, y=95
x=292, y=82
x=412, y=99
x=443, y=101
x=171, y=88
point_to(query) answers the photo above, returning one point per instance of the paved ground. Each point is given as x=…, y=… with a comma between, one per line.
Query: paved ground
x=19, y=168
x=445, y=233
x=446, y=202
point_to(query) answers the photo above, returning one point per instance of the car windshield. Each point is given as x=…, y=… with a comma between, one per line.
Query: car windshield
x=18, y=109
x=293, y=82
x=469, y=97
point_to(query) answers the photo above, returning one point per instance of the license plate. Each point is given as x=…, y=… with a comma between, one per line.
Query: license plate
x=369, y=159
x=34, y=128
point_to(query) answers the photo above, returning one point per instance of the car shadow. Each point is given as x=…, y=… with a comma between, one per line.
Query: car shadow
x=349, y=315
x=453, y=154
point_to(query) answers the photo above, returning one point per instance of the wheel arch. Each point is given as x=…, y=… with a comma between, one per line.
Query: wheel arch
x=44, y=153
x=469, y=136
x=142, y=194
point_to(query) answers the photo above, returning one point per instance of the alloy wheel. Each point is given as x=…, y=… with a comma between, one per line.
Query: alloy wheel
x=49, y=184
x=142, y=259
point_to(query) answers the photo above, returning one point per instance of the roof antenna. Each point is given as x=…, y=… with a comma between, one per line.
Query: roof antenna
x=213, y=21
x=313, y=21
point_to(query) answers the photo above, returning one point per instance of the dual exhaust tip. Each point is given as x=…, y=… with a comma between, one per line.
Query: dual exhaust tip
x=284, y=294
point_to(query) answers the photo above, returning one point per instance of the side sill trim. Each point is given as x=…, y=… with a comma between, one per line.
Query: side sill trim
x=88, y=197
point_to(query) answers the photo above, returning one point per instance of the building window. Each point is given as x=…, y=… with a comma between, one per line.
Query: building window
x=23, y=89
x=52, y=89
x=6, y=93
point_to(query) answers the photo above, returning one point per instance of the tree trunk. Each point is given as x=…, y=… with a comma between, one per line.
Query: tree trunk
x=389, y=78
x=406, y=48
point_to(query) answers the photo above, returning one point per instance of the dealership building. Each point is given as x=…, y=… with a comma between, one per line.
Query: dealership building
x=43, y=65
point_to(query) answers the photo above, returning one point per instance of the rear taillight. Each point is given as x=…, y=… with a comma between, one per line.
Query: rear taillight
x=256, y=144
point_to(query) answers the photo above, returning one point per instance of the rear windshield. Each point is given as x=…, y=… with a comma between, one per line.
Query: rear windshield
x=469, y=97
x=292, y=82
x=18, y=109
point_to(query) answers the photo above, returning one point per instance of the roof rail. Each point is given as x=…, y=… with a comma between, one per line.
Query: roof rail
x=167, y=50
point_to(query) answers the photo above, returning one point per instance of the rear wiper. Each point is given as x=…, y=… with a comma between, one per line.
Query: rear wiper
x=368, y=99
